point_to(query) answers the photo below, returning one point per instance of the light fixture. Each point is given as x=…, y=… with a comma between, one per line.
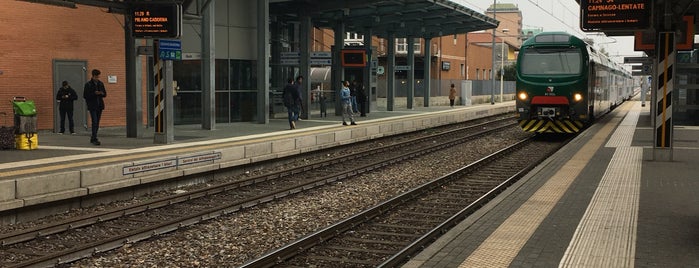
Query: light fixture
x=522, y=96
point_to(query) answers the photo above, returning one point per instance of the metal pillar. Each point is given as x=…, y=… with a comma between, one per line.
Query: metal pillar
x=305, y=66
x=663, y=101
x=367, y=71
x=391, y=72
x=338, y=71
x=164, y=109
x=208, y=64
x=428, y=71
x=134, y=112
x=263, y=52
x=411, y=72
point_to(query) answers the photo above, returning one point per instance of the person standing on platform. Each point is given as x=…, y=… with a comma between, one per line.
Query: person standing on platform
x=292, y=101
x=346, y=99
x=452, y=95
x=361, y=99
x=299, y=84
x=94, y=94
x=353, y=95
x=66, y=96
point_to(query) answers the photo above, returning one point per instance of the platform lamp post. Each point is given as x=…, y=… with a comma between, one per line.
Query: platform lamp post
x=502, y=64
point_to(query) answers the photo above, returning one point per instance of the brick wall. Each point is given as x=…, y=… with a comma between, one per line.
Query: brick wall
x=480, y=58
x=33, y=35
x=453, y=50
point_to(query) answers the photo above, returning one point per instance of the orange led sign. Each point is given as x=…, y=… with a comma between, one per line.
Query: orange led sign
x=156, y=21
x=614, y=15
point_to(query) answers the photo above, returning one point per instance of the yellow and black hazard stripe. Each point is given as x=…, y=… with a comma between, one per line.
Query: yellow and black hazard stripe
x=551, y=126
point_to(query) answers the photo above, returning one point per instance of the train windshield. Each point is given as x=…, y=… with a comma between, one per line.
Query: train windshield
x=556, y=61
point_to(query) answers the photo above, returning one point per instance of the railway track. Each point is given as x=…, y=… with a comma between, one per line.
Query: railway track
x=74, y=239
x=389, y=233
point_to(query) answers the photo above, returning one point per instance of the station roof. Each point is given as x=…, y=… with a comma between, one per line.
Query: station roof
x=416, y=18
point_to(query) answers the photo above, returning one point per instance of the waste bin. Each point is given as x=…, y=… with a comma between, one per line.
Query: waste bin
x=26, y=137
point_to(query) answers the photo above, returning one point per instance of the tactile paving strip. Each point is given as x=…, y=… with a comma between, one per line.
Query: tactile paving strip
x=606, y=235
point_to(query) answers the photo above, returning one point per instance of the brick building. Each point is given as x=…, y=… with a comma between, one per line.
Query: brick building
x=510, y=18
x=34, y=38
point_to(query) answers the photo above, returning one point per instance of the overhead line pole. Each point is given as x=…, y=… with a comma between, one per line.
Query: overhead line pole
x=492, y=69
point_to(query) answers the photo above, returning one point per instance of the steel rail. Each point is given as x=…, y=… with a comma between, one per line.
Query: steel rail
x=144, y=233
x=294, y=248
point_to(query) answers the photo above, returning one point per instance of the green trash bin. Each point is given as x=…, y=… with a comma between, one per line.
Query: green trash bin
x=23, y=107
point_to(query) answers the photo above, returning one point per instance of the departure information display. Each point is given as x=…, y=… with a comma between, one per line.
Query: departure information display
x=614, y=15
x=155, y=21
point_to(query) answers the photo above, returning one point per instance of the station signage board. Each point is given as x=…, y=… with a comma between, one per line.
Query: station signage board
x=156, y=21
x=615, y=15
x=642, y=60
x=170, y=49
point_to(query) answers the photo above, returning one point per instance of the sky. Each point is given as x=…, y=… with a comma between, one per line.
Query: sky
x=560, y=15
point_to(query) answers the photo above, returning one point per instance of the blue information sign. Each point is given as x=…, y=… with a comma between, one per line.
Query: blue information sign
x=170, y=49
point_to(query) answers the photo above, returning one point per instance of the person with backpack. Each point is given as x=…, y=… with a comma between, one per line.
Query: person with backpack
x=292, y=101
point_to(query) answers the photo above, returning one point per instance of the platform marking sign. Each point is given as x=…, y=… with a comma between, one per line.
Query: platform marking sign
x=175, y=162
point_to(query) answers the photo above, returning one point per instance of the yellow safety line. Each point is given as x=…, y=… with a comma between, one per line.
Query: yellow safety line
x=130, y=156
x=135, y=156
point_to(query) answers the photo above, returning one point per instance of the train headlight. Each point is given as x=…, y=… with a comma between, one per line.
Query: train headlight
x=577, y=97
x=522, y=96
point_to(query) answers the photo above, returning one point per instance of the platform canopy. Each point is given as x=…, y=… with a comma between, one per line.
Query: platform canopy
x=114, y=6
x=416, y=18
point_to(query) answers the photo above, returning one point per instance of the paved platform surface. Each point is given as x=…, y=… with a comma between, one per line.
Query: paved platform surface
x=606, y=200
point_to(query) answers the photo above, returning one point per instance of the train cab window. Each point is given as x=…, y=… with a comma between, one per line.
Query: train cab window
x=551, y=61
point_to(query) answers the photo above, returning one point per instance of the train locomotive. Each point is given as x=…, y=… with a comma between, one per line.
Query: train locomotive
x=563, y=84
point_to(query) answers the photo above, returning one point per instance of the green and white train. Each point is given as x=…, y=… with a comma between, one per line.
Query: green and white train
x=563, y=84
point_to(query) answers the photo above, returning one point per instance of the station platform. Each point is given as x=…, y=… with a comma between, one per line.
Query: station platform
x=69, y=167
x=604, y=200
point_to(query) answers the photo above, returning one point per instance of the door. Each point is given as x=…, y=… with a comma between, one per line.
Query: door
x=75, y=72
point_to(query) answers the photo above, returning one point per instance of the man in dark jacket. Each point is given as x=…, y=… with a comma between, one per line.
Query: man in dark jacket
x=361, y=98
x=66, y=96
x=292, y=101
x=94, y=95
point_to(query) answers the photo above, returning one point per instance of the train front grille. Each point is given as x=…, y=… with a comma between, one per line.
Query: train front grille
x=551, y=126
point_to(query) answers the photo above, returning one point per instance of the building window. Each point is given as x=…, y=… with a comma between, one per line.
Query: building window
x=235, y=90
x=478, y=74
x=463, y=70
x=402, y=45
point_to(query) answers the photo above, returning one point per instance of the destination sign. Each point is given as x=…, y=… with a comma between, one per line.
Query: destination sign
x=614, y=15
x=152, y=21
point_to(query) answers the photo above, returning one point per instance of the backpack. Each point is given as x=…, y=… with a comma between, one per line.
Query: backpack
x=288, y=96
